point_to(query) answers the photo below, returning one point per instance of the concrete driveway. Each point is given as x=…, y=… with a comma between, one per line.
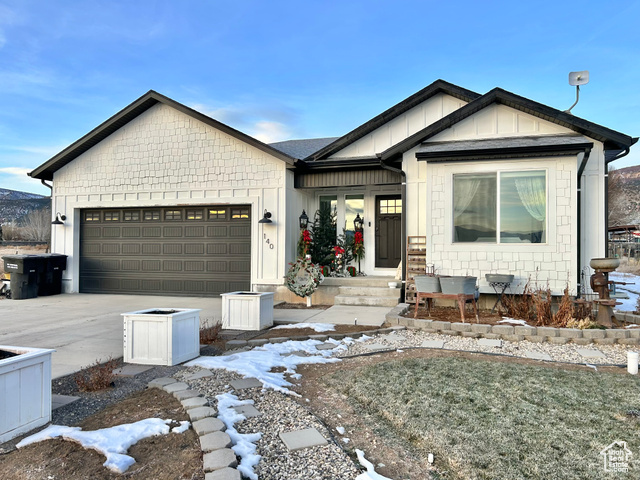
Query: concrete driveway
x=83, y=327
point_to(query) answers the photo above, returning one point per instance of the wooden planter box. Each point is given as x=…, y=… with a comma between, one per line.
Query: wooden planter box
x=247, y=310
x=25, y=390
x=167, y=337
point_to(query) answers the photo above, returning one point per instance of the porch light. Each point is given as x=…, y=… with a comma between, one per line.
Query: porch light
x=59, y=219
x=358, y=223
x=304, y=220
x=266, y=218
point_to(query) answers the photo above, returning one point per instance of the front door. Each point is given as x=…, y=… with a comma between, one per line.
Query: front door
x=388, y=231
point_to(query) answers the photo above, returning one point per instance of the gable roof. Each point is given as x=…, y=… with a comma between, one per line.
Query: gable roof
x=611, y=139
x=439, y=86
x=130, y=112
x=304, y=147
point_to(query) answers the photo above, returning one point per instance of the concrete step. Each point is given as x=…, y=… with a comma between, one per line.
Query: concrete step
x=363, y=281
x=369, y=292
x=363, y=300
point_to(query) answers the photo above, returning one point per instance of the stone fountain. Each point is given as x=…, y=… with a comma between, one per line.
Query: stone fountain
x=600, y=284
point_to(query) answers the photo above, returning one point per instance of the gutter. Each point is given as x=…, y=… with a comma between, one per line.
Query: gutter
x=403, y=227
x=583, y=165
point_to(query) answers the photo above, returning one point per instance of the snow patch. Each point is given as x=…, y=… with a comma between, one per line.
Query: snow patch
x=243, y=443
x=112, y=442
x=513, y=321
x=370, y=474
x=259, y=361
x=632, y=289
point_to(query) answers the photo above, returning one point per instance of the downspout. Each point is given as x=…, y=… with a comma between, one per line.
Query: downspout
x=583, y=165
x=606, y=196
x=403, y=227
x=43, y=182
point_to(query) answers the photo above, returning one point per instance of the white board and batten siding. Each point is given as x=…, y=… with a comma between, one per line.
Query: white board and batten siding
x=429, y=188
x=164, y=157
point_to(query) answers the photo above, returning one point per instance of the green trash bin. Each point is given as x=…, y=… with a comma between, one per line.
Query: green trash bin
x=50, y=281
x=24, y=271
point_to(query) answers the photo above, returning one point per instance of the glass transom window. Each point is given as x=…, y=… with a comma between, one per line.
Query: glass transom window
x=501, y=207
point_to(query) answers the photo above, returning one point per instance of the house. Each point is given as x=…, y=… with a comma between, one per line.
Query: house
x=161, y=199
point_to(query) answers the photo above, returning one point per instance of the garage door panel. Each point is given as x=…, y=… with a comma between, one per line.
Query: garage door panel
x=172, y=252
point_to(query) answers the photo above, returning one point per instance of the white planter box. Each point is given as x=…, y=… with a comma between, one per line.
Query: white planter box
x=25, y=390
x=161, y=338
x=247, y=310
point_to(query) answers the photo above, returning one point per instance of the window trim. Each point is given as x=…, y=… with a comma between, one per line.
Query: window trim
x=489, y=169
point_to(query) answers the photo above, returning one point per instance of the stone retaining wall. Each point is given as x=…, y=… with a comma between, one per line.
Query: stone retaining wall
x=516, y=333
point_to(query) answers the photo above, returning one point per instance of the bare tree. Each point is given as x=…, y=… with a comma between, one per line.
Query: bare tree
x=620, y=205
x=37, y=226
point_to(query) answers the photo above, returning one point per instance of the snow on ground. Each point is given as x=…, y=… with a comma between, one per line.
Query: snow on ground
x=632, y=289
x=370, y=474
x=112, y=442
x=318, y=327
x=243, y=443
x=513, y=321
x=258, y=362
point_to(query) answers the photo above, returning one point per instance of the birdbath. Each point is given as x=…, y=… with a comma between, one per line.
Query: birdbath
x=600, y=285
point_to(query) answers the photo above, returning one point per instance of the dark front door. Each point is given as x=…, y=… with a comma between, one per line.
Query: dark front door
x=388, y=231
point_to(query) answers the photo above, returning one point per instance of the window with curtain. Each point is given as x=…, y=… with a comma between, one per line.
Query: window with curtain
x=502, y=207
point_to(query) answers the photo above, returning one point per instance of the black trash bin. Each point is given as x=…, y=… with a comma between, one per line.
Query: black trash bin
x=50, y=281
x=24, y=271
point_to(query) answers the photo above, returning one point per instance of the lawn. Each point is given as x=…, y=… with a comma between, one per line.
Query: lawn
x=489, y=419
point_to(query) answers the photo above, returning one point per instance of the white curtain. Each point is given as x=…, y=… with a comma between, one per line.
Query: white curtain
x=464, y=190
x=532, y=192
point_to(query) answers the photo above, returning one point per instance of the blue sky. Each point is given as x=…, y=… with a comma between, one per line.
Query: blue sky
x=280, y=70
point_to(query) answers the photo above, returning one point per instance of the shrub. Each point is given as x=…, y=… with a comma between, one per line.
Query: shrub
x=210, y=331
x=97, y=376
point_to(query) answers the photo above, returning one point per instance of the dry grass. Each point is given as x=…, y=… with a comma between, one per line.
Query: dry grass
x=97, y=376
x=489, y=420
x=535, y=305
x=210, y=331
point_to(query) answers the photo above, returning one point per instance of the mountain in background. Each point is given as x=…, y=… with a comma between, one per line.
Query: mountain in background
x=624, y=196
x=14, y=205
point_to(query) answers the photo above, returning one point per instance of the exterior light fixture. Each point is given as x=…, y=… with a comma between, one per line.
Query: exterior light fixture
x=59, y=219
x=266, y=217
x=358, y=223
x=304, y=220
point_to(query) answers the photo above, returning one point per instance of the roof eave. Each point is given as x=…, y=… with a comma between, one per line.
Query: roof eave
x=439, y=86
x=124, y=116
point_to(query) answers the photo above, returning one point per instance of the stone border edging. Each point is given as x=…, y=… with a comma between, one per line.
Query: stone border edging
x=517, y=333
x=219, y=460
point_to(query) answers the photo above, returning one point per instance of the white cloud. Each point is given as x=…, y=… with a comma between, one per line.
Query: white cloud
x=17, y=171
x=269, y=132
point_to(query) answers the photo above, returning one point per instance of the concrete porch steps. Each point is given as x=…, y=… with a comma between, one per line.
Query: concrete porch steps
x=368, y=296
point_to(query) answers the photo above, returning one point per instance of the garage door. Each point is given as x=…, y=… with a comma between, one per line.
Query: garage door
x=198, y=251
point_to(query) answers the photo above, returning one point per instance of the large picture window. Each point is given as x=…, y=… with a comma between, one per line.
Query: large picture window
x=501, y=207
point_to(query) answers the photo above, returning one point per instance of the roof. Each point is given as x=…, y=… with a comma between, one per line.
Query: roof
x=439, y=86
x=302, y=148
x=127, y=114
x=511, y=147
x=611, y=139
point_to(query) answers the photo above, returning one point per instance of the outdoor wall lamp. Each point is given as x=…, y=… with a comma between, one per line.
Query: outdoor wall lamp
x=304, y=220
x=358, y=223
x=266, y=218
x=59, y=219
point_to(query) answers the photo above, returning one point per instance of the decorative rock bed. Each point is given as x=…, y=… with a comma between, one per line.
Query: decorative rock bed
x=516, y=333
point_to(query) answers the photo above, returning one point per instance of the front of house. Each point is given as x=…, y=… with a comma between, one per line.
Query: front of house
x=161, y=199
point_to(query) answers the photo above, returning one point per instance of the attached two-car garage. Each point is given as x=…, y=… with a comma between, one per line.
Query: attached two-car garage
x=181, y=250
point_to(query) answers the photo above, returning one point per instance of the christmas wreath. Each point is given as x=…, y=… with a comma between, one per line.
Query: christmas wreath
x=303, y=277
